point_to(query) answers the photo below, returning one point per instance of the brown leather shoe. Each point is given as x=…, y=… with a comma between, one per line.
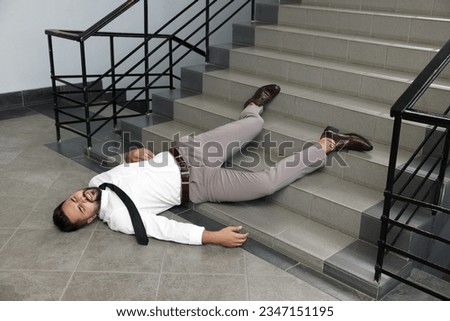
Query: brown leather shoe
x=346, y=141
x=263, y=95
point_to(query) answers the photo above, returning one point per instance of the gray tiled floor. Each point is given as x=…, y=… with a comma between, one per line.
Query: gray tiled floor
x=37, y=262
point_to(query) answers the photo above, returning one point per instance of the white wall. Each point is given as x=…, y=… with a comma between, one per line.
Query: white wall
x=24, y=62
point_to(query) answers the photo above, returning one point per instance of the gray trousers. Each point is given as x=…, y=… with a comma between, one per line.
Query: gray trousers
x=210, y=182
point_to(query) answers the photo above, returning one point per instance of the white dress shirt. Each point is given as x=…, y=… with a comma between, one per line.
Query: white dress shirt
x=154, y=186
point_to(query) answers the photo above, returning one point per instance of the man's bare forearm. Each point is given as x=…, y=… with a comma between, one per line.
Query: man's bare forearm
x=227, y=237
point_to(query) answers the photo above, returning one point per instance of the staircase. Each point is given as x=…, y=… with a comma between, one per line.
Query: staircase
x=340, y=63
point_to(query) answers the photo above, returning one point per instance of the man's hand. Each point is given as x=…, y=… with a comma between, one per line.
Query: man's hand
x=227, y=237
x=139, y=154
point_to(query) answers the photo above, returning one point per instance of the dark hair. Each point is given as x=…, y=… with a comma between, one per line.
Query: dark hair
x=61, y=220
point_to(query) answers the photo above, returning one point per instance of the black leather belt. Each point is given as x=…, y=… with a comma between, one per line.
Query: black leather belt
x=184, y=171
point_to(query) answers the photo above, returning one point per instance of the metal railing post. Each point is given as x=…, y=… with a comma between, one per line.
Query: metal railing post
x=85, y=94
x=253, y=11
x=442, y=169
x=207, y=27
x=171, y=74
x=146, y=65
x=55, y=98
x=113, y=80
x=388, y=196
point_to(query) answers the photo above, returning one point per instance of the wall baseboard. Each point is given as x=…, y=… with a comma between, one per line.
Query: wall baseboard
x=25, y=98
x=34, y=96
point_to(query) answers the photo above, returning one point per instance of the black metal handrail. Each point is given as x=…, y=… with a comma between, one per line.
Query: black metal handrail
x=404, y=109
x=84, y=35
x=87, y=94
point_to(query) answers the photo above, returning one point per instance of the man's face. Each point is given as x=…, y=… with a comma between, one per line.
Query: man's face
x=83, y=205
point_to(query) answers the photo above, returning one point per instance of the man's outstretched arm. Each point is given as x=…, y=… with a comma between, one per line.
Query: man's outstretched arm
x=227, y=237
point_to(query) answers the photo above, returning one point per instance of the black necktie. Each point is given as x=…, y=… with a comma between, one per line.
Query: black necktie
x=139, y=228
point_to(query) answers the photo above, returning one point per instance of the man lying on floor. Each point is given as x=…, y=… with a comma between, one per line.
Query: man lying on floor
x=129, y=197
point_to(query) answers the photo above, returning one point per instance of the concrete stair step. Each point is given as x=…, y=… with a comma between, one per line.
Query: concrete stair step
x=385, y=53
x=315, y=196
x=328, y=220
x=267, y=10
x=310, y=243
x=314, y=106
x=386, y=25
x=160, y=137
x=355, y=265
x=405, y=240
x=195, y=84
x=289, y=135
x=305, y=238
x=109, y=147
x=131, y=128
x=298, y=237
x=244, y=32
x=162, y=101
x=345, y=78
x=219, y=54
x=352, y=169
x=425, y=279
x=331, y=200
x=419, y=7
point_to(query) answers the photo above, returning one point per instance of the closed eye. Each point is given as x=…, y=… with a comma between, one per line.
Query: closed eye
x=80, y=208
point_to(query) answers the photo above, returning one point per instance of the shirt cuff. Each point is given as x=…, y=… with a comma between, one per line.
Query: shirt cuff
x=196, y=235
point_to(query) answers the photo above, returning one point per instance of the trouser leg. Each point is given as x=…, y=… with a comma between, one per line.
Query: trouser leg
x=226, y=185
x=214, y=147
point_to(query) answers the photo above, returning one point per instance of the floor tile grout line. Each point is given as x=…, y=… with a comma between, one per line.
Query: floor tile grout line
x=127, y=272
x=247, y=285
x=322, y=277
x=19, y=227
x=31, y=210
x=299, y=265
x=9, y=239
x=275, y=253
x=75, y=268
x=161, y=271
x=78, y=271
x=203, y=273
